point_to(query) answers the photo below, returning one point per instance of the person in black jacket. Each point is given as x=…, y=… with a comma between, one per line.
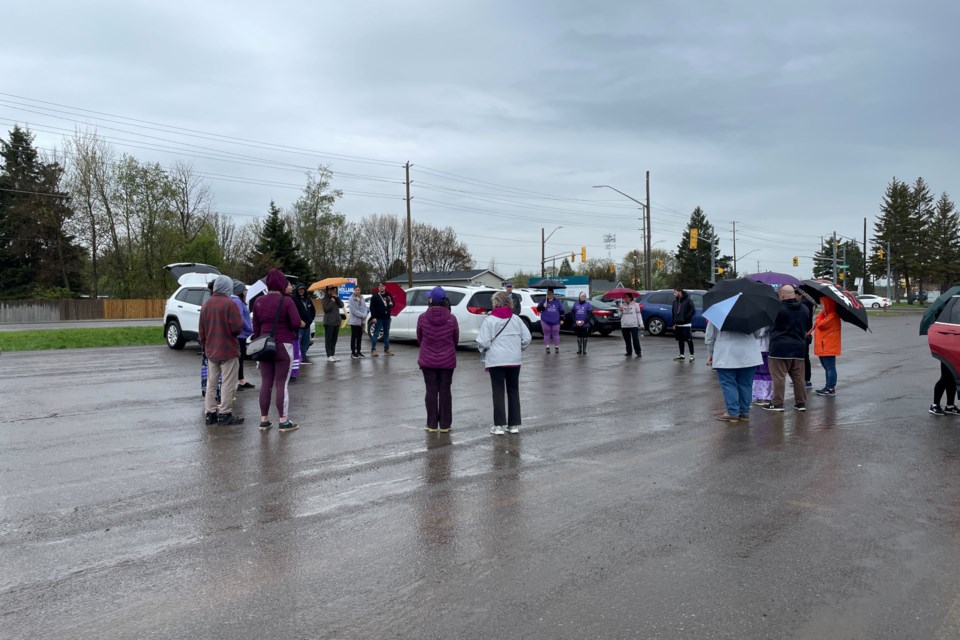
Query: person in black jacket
x=788, y=342
x=683, y=312
x=514, y=298
x=308, y=313
x=808, y=304
x=381, y=303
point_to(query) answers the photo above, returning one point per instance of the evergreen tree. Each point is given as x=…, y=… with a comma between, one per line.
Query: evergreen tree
x=565, y=268
x=897, y=226
x=848, y=252
x=922, y=212
x=276, y=247
x=693, y=265
x=943, y=245
x=37, y=255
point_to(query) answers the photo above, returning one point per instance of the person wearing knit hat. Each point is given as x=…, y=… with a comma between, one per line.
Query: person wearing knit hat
x=438, y=334
x=220, y=324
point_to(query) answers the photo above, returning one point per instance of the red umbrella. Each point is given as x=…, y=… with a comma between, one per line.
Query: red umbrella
x=618, y=293
x=399, y=297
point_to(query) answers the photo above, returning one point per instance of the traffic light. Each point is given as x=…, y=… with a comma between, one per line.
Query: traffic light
x=583, y=254
x=693, y=238
x=880, y=252
x=796, y=261
x=659, y=264
x=720, y=271
x=612, y=268
x=573, y=258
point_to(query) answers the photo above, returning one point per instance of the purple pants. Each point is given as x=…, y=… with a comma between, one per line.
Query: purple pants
x=550, y=331
x=276, y=374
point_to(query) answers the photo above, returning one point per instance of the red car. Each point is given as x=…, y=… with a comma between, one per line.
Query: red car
x=944, y=337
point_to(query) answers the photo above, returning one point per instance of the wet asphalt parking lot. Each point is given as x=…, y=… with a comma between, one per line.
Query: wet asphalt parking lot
x=622, y=510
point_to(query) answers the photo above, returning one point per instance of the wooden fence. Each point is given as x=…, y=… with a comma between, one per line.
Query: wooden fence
x=28, y=311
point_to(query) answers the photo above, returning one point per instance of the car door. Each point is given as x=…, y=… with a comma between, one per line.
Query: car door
x=944, y=336
x=661, y=305
x=699, y=323
x=189, y=310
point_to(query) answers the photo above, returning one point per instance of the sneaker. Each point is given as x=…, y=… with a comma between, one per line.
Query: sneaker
x=760, y=402
x=306, y=361
x=628, y=355
x=360, y=355
x=388, y=353
x=800, y=406
x=374, y=354
x=514, y=428
x=829, y=393
x=952, y=410
x=692, y=358
x=936, y=410
x=266, y=424
x=211, y=417
x=331, y=359
x=638, y=355
x=772, y=407
x=226, y=419
x=354, y=356
x=744, y=417
x=679, y=358
x=726, y=417
x=287, y=426
x=497, y=430
x=808, y=384
x=245, y=385
x=444, y=430
x=431, y=430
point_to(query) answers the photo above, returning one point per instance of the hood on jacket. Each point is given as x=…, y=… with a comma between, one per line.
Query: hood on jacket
x=829, y=306
x=223, y=285
x=502, y=312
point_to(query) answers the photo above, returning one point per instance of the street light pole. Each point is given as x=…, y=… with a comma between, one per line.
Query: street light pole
x=646, y=231
x=543, y=254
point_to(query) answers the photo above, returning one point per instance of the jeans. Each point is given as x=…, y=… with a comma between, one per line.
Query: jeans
x=737, y=388
x=304, y=342
x=505, y=378
x=438, y=397
x=829, y=364
x=632, y=334
x=383, y=324
x=330, y=334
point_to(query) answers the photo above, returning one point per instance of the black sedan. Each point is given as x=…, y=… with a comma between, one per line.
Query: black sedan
x=605, y=319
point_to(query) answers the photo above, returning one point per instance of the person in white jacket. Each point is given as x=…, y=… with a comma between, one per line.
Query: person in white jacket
x=501, y=340
x=630, y=322
x=356, y=315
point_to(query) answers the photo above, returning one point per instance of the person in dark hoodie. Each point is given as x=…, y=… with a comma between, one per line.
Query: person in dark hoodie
x=683, y=312
x=220, y=324
x=331, y=304
x=788, y=342
x=308, y=313
x=438, y=334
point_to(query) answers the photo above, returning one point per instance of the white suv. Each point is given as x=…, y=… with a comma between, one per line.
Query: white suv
x=181, y=317
x=470, y=305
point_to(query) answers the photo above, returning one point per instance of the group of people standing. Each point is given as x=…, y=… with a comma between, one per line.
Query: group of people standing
x=752, y=368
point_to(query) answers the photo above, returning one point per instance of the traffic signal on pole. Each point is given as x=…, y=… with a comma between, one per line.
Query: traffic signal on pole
x=659, y=264
x=573, y=257
x=612, y=268
x=583, y=254
x=720, y=270
x=796, y=261
x=880, y=252
x=693, y=238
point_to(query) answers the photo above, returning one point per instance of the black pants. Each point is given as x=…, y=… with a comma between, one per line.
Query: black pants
x=330, y=334
x=945, y=383
x=683, y=335
x=243, y=354
x=438, y=398
x=506, y=378
x=356, y=339
x=806, y=361
x=631, y=335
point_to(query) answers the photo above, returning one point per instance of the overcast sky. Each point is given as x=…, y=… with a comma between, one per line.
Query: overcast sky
x=788, y=118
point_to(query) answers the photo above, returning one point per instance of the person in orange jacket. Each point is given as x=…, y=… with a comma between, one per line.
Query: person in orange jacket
x=826, y=344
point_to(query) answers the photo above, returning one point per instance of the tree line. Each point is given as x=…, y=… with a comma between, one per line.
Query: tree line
x=90, y=221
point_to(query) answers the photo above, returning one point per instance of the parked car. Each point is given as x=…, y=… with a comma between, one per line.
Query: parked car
x=870, y=300
x=657, y=310
x=470, y=305
x=528, y=307
x=944, y=337
x=181, y=316
x=606, y=315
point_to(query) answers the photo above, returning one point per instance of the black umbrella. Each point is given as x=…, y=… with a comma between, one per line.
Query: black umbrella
x=547, y=284
x=848, y=306
x=741, y=305
x=930, y=315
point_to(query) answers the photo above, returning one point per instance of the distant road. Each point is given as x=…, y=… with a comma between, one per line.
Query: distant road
x=81, y=324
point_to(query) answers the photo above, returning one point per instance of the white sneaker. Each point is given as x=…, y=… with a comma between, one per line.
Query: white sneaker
x=497, y=430
x=331, y=359
x=513, y=429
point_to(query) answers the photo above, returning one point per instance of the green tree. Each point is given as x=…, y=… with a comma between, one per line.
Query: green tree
x=943, y=245
x=565, y=269
x=319, y=230
x=896, y=230
x=597, y=269
x=693, y=265
x=848, y=252
x=37, y=254
x=276, y=247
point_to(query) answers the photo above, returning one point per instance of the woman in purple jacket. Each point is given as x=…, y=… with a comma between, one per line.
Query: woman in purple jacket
x=581, y=315
x=551, y=315
x=438, y=334
x=276, y=373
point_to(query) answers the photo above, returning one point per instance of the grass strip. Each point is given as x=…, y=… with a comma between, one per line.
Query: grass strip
x=44, y=339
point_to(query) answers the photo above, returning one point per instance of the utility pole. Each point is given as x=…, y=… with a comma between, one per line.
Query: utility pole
x=888, y=271
x=409, y=232
x=845, y=286
x=735, y=247
x=543, y=256
x=834, y=257
x=864, y=283
x=647, y=276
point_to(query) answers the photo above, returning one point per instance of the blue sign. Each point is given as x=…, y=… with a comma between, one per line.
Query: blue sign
x=344, y=291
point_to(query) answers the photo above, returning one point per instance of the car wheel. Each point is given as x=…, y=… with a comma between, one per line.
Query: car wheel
x=526, y=323
x=875, y=305
x=655, y=327
x=173, y=335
